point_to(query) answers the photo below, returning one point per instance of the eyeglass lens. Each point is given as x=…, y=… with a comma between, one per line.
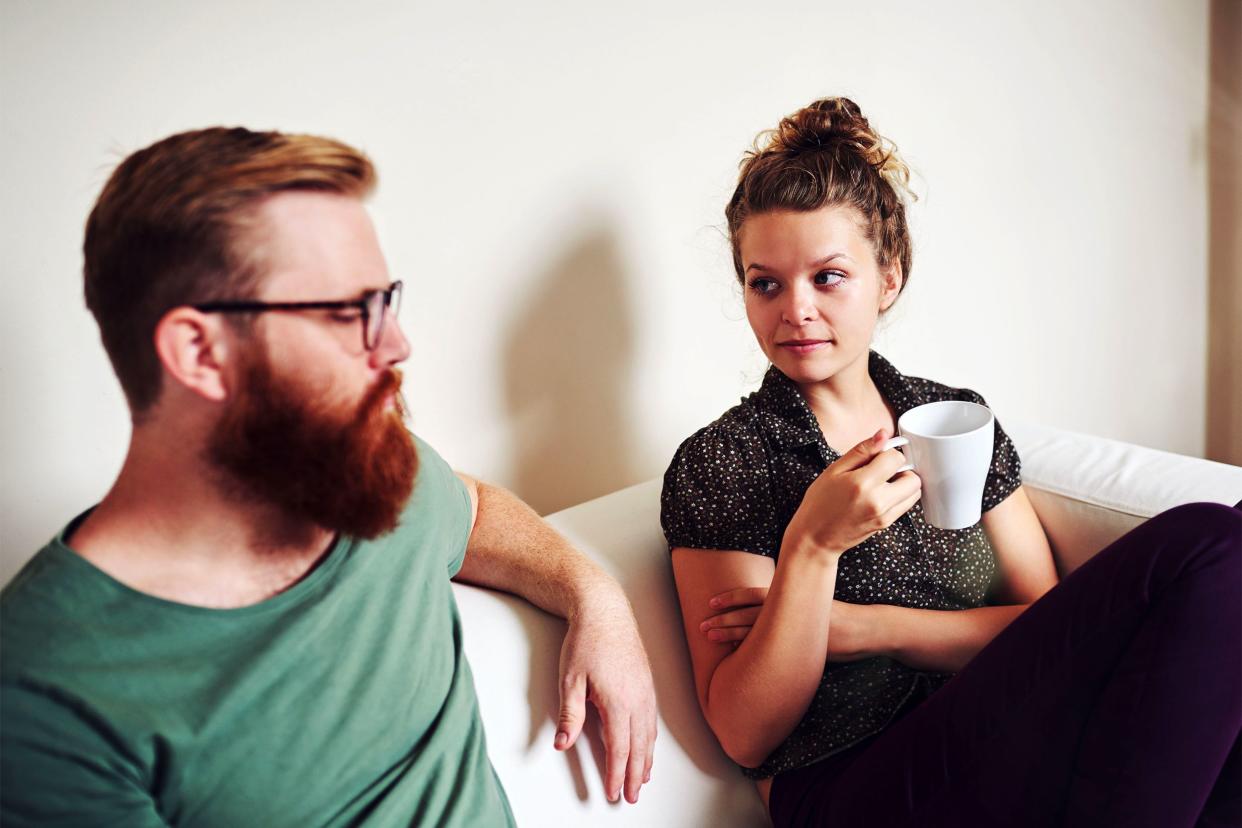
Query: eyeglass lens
x=380, y=304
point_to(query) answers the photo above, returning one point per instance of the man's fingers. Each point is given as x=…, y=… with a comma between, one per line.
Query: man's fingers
x=573, y=710
x=637, y=763
x=617, y=751
x=652, y=732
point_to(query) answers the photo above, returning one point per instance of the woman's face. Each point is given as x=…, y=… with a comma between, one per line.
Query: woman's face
x=813, y=289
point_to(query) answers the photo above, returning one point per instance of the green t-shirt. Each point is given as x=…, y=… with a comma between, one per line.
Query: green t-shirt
x=345, y=699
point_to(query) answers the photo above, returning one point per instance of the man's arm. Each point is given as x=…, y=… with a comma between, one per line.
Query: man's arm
x=512, y=549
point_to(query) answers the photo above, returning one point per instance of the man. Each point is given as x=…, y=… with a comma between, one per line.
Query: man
x=255, y=625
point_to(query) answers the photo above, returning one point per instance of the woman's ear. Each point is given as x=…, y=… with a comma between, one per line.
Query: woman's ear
x=193, y=350
x=891, y=279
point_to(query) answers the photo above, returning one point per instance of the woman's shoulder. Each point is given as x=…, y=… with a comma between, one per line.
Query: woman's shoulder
x=716, y=492
x=924, y=390
x=736, y=436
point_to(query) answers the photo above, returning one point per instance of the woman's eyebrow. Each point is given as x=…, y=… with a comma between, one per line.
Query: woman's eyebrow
x=817, y=263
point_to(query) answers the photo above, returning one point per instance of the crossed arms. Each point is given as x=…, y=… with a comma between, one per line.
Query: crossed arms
x=760, y=632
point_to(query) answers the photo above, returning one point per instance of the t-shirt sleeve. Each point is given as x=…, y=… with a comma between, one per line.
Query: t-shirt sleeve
x=1005, y=473
x=442, y=485
x=717, y=495
x=56, y=769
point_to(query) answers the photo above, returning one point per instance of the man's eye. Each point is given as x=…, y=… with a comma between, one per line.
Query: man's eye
x=763, y=285
x=345, y=316
x=829, y=277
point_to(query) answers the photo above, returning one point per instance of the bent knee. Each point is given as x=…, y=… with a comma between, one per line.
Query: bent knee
x=1204, y=529
x=1210, y=518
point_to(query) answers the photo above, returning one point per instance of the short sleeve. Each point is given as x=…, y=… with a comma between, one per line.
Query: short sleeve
x=1005, y=474
x=56, y=769
x=439, y=490
x=718, y=495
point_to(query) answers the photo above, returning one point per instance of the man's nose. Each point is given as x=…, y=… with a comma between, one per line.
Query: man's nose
x=393, y=347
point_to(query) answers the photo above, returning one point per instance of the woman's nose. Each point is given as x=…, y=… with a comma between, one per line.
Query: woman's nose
x=799, y=307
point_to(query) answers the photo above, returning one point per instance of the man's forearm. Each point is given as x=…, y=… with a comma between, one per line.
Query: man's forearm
x=514, y=550
x=602, y=658
x=937, y=639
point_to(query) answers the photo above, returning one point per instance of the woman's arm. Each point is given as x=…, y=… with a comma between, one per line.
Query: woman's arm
x=925, y=639
x=947, y=640
x=755, y=694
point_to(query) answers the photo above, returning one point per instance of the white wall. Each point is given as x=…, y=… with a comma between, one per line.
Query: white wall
x=552, y=180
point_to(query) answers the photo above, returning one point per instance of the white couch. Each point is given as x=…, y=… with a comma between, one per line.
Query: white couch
x=1087, y=492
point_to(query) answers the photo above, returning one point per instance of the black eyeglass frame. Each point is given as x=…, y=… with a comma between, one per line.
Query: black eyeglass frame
x=391, y=303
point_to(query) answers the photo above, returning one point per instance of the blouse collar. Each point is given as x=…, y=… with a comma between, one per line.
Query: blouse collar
x=790, y=418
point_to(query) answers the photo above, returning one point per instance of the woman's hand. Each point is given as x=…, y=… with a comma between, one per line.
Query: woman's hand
x=735, y=611
x=856, y=496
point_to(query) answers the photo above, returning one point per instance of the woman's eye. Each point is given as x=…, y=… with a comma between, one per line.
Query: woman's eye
x=763, y=285
x=829, y=277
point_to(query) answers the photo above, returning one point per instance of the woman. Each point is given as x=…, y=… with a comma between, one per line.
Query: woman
x=826, y=619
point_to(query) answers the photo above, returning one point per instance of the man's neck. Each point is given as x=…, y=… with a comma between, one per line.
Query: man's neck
x=168, y=528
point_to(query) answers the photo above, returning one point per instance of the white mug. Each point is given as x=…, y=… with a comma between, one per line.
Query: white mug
x=949, y=445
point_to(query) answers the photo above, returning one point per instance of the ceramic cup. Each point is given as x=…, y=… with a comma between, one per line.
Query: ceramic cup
x=949, y=445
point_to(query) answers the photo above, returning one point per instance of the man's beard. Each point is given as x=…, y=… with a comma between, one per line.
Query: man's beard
x=348, y=471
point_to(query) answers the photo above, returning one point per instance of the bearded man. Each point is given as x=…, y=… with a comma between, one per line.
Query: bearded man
x=255, y=625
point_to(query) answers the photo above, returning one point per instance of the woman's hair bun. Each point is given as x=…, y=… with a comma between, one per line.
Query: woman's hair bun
x=827, y=154
x=838, y=126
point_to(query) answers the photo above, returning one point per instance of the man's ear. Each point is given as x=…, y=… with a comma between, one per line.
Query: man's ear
x=893, y=279
x=193, y=350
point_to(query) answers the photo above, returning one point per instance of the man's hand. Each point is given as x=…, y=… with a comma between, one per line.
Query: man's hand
x=737, y=610
x=603, y=661
x=512, y=549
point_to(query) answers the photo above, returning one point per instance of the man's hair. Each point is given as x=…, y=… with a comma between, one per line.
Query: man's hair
x=169, y=229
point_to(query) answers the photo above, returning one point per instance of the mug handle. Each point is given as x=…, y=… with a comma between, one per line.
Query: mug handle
x=897, y=442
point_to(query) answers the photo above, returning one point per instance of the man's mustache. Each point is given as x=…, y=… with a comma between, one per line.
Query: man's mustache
x=388, y=384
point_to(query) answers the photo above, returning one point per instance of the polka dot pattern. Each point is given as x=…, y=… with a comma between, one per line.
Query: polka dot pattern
x=735, y=485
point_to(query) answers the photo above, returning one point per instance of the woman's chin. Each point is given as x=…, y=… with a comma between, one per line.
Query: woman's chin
x=803, y=371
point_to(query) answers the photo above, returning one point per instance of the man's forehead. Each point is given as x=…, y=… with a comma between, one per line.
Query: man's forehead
x=316, y=242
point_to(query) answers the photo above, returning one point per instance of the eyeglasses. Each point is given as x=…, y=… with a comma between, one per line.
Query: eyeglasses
x=373, y=307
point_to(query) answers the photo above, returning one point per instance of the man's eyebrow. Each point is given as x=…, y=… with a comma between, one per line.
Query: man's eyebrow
x=818, y=263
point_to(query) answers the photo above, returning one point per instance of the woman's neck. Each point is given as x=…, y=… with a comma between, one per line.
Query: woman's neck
x=848, y=405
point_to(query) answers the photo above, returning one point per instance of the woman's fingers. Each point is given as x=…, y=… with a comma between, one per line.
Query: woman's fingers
x=723, y=634
x=906, y=496
x=740, y=597
x=744, y=617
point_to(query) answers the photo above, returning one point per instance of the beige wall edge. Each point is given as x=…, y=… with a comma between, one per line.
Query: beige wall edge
x=1224, y=386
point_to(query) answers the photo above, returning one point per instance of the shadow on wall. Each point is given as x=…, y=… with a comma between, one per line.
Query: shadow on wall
x=568, y=368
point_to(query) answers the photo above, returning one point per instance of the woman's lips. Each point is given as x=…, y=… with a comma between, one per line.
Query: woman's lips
x=801, y=347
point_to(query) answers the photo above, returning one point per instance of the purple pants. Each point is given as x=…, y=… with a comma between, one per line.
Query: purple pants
x=1114, y=700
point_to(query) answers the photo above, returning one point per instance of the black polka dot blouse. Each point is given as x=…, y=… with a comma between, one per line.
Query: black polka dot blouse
x=735, y=485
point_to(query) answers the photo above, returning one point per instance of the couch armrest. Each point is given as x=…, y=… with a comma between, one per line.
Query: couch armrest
x=1088, y=491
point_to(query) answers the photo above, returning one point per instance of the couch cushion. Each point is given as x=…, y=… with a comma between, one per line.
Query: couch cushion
x=1089, y=491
